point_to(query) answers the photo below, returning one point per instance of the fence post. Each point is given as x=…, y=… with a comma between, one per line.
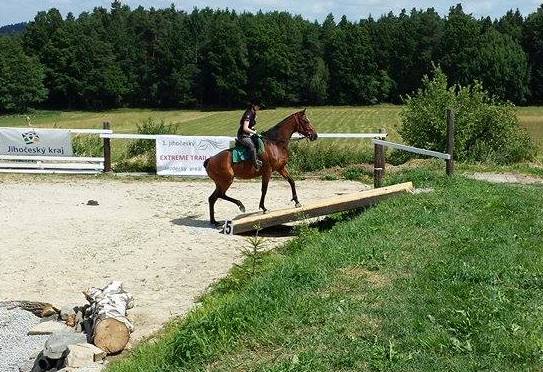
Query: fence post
x=107, y=148
x=379, y=164
x=450, y=141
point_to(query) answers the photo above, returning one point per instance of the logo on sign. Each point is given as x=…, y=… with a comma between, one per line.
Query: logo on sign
x=31, y=137
x=209, y=144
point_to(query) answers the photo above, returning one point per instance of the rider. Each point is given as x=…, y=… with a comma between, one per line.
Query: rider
x=246, y=129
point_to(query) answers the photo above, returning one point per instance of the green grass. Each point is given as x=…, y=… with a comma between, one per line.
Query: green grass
x=190, y=122
x=449, y=280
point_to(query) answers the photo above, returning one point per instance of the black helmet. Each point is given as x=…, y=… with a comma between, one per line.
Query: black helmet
x=255, y=101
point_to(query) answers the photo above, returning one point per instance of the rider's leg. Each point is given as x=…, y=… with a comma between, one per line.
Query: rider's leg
x=248, y=142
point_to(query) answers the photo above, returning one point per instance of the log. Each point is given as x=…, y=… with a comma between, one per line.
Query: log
x=255, y=221
x=111, y=335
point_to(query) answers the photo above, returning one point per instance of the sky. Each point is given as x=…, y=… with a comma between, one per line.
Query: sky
x=14, y=11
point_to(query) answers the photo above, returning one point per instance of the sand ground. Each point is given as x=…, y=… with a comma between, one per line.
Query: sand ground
x=153, y=235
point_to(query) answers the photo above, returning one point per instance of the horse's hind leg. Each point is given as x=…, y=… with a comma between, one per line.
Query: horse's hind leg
x=223, y=196
x=212, y=200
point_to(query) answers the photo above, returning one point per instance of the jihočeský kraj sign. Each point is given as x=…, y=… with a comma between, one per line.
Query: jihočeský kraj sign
x=185, y=156
x=35, y=142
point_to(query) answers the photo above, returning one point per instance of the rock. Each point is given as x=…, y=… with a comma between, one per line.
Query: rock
x=95, y=367
x=67, y=310
x=58, y=343
x=47, y=328
x=81, y=355
x=98, y=354
x=92, y=203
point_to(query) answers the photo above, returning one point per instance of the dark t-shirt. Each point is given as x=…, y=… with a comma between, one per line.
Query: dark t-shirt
x=248, y=115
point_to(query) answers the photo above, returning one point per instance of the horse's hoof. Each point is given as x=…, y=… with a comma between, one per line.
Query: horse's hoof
x=298, y=205
x=264, y=210
x=242, y=208
x=214, y=223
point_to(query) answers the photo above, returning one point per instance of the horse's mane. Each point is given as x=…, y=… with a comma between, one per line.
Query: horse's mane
x=272, y=134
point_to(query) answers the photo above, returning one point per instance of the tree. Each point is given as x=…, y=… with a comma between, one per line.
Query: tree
x=224, y=63
x=354, y=74
x=502, y=66
x=533, y=44
x=21, y=78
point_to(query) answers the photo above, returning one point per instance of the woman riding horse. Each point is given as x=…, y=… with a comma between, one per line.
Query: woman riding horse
x=222, y=170
x=247, y=130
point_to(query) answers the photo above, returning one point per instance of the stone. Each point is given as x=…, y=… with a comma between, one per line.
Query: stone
x=48, y=328
x=57, y=344
x=79, y=356
x=67, y=311
x=98, y=353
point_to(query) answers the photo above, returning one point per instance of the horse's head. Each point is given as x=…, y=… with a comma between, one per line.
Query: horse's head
x=305, y=128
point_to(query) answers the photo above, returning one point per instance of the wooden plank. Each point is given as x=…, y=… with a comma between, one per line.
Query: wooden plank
x=50, y=158
x=74, y=130
x=248, y=222
x=49, y=171
x=40, y=165
x=415, y=150
x=295, y=136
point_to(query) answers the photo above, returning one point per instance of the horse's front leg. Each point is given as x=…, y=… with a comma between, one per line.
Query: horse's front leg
x=284, y=173
x=266, y=175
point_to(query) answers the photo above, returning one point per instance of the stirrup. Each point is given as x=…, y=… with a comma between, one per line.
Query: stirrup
x=258, y=164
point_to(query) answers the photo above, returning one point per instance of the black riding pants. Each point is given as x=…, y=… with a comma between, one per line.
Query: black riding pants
x=248, y=142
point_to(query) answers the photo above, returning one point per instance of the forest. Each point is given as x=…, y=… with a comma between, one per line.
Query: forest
x=169, y=58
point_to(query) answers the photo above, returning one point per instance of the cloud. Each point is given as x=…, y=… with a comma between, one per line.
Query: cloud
x=11, y=11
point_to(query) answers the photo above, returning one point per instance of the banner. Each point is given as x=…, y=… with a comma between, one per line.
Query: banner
x=185, y=156
x=35, y=142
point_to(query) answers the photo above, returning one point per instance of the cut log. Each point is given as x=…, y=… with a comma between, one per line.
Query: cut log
x=255, y=221
x=111, y=335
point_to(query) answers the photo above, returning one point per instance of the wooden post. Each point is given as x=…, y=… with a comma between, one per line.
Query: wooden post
x=107, y=149
x=450, y=141
x=379, y=164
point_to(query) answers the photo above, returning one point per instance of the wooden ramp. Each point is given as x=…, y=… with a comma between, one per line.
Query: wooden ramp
x=258, y=220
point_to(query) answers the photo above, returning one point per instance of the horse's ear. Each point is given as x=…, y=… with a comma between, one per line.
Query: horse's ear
x=305, y=109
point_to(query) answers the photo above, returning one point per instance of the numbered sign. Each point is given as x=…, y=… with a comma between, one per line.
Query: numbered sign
x=228, y=228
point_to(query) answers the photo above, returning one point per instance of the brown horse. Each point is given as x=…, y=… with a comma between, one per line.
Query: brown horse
x=222, y=170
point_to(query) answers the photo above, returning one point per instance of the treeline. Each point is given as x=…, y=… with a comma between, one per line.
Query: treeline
x=169, y=58
x=13, y=29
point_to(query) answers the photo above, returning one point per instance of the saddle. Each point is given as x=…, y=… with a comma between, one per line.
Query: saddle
x=241, y=153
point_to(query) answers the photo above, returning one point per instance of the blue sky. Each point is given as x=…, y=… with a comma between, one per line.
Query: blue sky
x=13, y=11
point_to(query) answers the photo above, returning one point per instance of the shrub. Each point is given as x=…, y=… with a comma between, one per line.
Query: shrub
x=309, y=157
x=141, y=154
x=486, y=130
x=149, y=126
x=87, y=146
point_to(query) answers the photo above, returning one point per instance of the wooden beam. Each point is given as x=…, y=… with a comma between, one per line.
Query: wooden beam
x=253, y=221
x=415, y=150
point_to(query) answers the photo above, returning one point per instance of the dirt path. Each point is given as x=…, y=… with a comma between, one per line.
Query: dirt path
x=506, y=178
x=152, y=235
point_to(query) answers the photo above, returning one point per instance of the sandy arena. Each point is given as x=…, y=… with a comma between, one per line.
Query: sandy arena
x=152, y=235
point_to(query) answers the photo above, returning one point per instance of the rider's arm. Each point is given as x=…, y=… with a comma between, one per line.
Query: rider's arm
x=246, y=128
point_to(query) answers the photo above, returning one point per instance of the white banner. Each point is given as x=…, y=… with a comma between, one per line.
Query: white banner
x=35, y=142
x=185, y=156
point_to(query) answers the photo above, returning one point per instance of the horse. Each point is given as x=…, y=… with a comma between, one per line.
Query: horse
x=222, y=170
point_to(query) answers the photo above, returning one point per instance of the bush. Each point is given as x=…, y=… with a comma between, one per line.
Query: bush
x=309, y=157
x=486, y=130
x=149, y=126
x=87, y=146
x=141, y=154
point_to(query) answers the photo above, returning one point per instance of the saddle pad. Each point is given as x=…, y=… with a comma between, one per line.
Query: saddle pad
x=241, y=153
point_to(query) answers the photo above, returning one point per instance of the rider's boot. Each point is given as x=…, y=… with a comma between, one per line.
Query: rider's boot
x=256, y=162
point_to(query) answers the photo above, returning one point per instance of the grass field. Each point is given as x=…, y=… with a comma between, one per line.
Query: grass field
x=192, y=122
x=449, y=280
